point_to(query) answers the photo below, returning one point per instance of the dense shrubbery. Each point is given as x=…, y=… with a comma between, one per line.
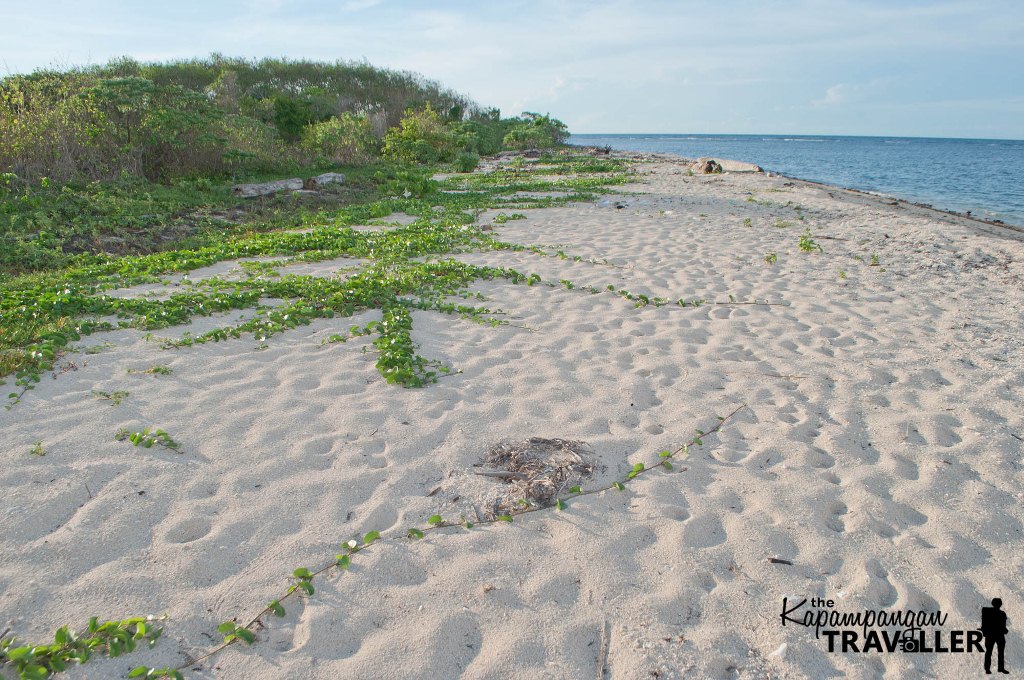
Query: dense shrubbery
x=534, y=131
x=130, y=157
x=423, y=137
x=230, y=117
x=68, y=126
x=346, y=139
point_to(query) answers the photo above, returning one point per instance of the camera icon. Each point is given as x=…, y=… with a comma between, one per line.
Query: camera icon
x=909, y=643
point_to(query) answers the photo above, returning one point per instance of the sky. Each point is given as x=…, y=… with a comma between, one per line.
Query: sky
x=942, y=68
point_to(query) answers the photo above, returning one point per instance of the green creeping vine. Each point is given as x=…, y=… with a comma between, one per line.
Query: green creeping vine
x=302, y=578
x=40, y=314
x=153, y=370
x=807, y=243
x=147, y=437
x=114, y=397
x=112, y=638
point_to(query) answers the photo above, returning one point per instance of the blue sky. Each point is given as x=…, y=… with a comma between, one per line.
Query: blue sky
x=896, y=67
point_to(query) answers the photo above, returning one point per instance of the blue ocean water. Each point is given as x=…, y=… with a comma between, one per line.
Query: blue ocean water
x=985, y=176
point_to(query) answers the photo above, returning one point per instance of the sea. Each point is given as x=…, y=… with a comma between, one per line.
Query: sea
x=984, y=176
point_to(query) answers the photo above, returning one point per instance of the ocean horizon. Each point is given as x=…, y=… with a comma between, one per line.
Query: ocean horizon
x=983, y=176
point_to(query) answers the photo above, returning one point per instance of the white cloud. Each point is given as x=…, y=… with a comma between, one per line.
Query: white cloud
x=836, y=95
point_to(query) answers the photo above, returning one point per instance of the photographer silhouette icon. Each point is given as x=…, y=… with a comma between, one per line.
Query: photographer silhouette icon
x=993, y=627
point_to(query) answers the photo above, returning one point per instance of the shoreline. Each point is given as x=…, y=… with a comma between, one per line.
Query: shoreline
x=879, y=194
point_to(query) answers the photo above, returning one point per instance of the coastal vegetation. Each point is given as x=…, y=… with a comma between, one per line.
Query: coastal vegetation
x=119, y=174
x=122, y=175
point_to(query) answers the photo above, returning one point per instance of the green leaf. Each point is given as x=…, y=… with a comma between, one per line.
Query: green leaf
x=415, y=533
x=302, y=573
x=665, y=454
x=560, y=504
x=306, y=586
x=576, y=489
x=698, y=442
x=619, y=486
x=667, y=465
x=34, y=670
x=371, y=537
x=505, y=518
x=344, y=561
x=276, y=607
x=227, y=627
x=139, y=671
x=246, y=635
x=469, y=525
x=435, y=520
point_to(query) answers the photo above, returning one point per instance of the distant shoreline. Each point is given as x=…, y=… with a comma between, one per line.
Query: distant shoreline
x=954, y=176
x=867, y=197
x=711, y=135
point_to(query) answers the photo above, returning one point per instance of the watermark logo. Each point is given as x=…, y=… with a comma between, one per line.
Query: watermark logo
x=994, y=628
x=882, y=631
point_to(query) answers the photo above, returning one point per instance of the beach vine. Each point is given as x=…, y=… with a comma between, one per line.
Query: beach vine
x=302, y=578
x=395, y=270
x=404, y=268
x=114, y=638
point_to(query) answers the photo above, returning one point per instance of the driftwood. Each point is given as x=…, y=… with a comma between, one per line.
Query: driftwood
x=266, y=188
x=293, y=184
x=323, y=180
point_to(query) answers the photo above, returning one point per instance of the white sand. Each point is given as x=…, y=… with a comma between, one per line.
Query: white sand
x=880, y=453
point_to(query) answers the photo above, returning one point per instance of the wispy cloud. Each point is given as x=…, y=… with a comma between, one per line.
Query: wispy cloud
x=836, y=95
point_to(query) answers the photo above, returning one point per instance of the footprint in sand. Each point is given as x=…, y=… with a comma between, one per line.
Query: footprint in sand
x=188, y=530
x=703, y=531
x=834, y=522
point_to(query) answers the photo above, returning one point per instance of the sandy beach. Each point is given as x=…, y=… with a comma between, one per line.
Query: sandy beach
x=874, y=459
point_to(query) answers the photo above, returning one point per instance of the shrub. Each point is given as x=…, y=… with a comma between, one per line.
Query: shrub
x=423, y=137
x=50, y=128
x=254, y=146
x=534, y=131
x=346, y=139
x=77, y=126
x=484, y=134
x=291, y=116
x=467, y=161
